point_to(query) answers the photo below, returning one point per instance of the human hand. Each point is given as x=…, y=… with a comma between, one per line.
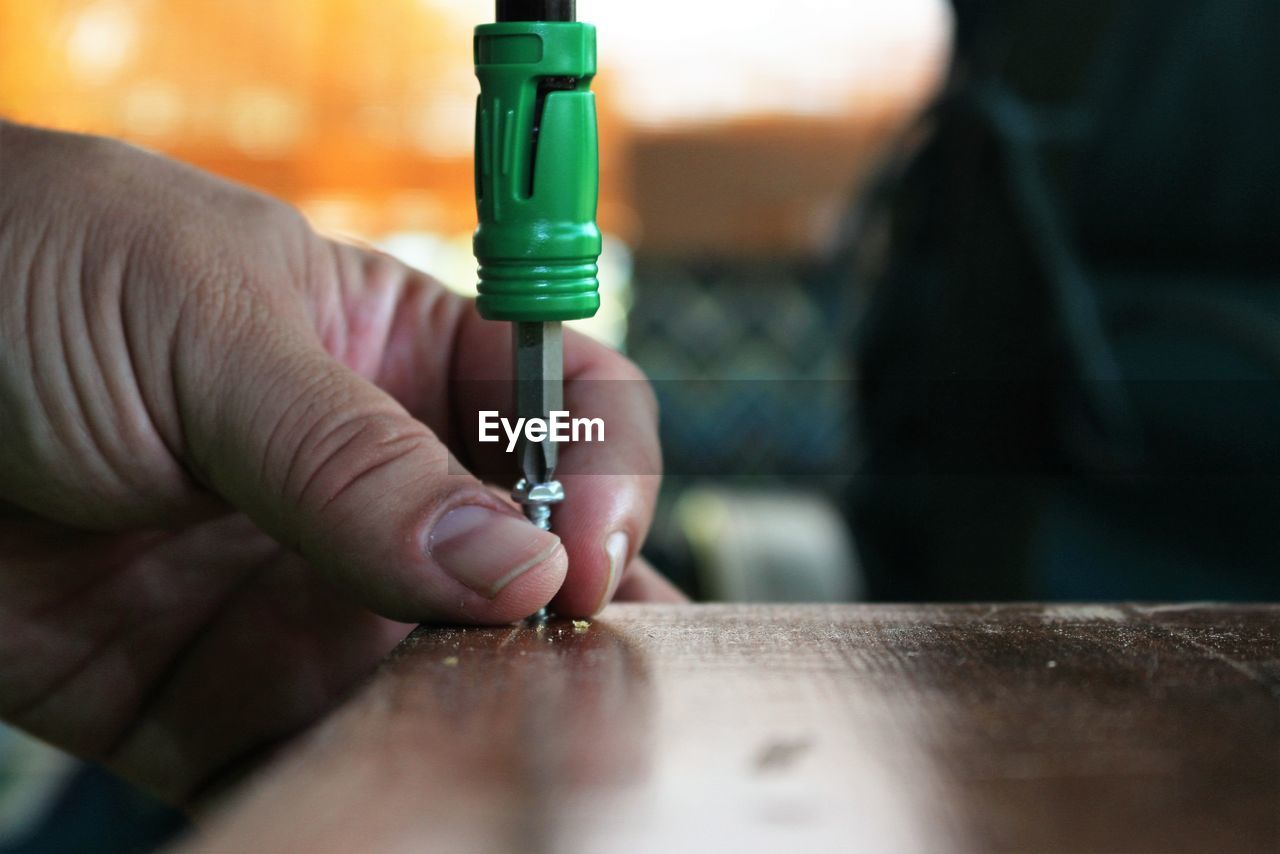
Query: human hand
x=223, y=491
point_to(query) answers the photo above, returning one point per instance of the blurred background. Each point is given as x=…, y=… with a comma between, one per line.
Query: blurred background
x=732, y=145
x=728, y=162
x=967, y=300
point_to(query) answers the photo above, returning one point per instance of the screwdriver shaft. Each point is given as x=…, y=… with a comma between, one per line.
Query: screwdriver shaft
x=537, y=350
x=539, y=386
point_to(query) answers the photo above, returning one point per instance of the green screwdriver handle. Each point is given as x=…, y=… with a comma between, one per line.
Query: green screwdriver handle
x=537, y=171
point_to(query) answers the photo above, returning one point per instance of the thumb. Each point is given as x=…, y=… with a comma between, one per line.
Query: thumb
x=332, y=466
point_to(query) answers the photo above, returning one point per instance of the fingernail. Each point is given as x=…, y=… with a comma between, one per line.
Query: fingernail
x=487, y=550
x=617, y=546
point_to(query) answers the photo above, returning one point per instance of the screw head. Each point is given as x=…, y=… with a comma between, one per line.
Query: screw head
x=528, y=494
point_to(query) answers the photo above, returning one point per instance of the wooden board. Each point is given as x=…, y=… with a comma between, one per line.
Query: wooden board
x=722, y=728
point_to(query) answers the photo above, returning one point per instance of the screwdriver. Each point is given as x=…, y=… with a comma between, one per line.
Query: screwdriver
x=537, y=184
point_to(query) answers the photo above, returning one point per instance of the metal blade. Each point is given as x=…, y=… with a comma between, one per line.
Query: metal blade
x=539, y=385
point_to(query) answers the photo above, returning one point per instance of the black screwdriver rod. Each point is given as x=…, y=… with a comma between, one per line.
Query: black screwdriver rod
x=537, y=10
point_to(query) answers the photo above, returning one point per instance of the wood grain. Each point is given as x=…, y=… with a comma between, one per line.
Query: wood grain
x=659, y=728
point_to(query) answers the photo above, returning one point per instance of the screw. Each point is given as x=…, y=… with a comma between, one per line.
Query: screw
x=537, y=499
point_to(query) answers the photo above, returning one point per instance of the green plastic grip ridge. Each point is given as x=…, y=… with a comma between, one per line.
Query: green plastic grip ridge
x=537, y=243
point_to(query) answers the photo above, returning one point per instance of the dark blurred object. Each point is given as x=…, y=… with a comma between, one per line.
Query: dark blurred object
x=1070, y=351
x=53, y=803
